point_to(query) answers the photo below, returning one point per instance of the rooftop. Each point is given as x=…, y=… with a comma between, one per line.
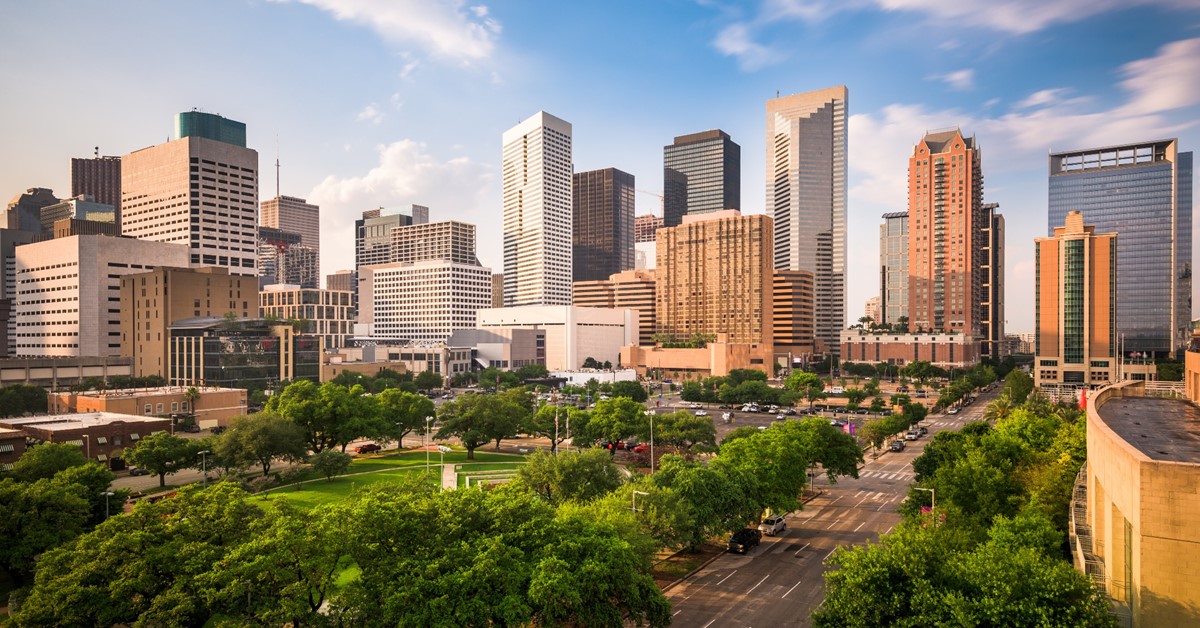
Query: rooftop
x=1164, y=430
x=56, y=422
x=124, y=393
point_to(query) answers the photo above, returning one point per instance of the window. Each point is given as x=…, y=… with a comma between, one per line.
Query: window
x=160, y=408
x=101, y=440
x=174, y=406
x=134, y=437
x=148, y=409
x=183, y=406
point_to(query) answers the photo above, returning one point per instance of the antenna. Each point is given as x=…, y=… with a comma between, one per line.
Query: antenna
x=276, y=165
x=97, y=152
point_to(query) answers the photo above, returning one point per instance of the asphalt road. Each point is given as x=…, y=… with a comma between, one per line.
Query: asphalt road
x=781, y=582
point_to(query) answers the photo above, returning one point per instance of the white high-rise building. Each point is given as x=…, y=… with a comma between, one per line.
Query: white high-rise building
x=537, y=171
x=422, y=301
x=806, y=195
x=200, y=190
x=68, y=292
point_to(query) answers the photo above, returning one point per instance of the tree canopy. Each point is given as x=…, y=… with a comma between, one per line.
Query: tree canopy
x=479, y=419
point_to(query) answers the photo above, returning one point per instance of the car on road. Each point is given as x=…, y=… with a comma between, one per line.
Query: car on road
x=700, y=413
x=695, y=406
x=191, y=428
x=952, y=411
x=641, y=449
x=912, y=435
x=772, y=525
x=744, y=539
x=897, y=445
x=367, y=448
x=727, y=417
x=138, y=471
x=790, y=411
x=780, y=417
x=922, y=429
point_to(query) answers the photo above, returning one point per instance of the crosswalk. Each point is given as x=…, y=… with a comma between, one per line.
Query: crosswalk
x=895, y=475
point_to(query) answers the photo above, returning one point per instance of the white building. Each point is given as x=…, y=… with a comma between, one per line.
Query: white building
x=421, y=302
x=68, y=292
x=295, y=215
x=537, y=171
x=573, y=334
x=195, y=191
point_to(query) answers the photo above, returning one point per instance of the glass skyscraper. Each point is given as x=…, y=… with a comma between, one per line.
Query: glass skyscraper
x=602, y=223
x=1143, y=193
x=893, y=267
x=702, y=172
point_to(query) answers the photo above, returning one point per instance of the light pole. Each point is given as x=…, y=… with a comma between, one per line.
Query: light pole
x=932, y=502
x=204, y=467
x=442, y=451
x=106, y=495
x=424, y=443
x=651, y=416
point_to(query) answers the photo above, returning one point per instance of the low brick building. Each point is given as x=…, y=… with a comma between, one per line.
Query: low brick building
x=101, y=435
x=214, y=406
x=12, y=445
x=944, y=350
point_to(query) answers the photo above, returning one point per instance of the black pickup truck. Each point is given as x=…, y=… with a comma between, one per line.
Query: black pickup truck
x=744, y=539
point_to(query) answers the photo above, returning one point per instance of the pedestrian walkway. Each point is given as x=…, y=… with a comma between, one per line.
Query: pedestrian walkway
x=449, y=477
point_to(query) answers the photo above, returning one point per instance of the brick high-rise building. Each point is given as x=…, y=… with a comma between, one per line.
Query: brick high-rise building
x=602, y=223
x=792, y=312
x=806, y=196
x=644, y=227
x=99, y=178
x=702, y=172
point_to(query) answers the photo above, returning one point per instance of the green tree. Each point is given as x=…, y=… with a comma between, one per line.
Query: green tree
x=46, y=460
x=746, y=431
x=1017, y=385
x=591, y=363
x=737, y=376
x=855, y=395
x=807, y=385
x=1169, y=370
x=428, y=380
x=616, y=419
x=479, y=419
x=260, y=439
x=553, y=422
x=682, y=431
x=162, y=453
x=20, y=399
x=532, y=371
x=35, y=517
x=570, y=476
x=402, y=413
x=632, y=390
x=330, y=462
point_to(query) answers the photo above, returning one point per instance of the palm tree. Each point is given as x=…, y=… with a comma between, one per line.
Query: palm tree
x=191, y=396
x=999, y=409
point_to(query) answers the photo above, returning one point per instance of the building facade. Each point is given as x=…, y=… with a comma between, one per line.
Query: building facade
x=81, y=208
x=10, y=239
x=152, y=301
x=68, y=292
x=99, y=178
x=991, y=335
x=702, y=172
x=792, y=312
x=503, y=348
x=806, y=196
x=422, y=301
x=101, y=436
x=444, y=240
x=645, y=226
x=1076, y=305
x=24, y=211
x=893, y=268
x=240, y=353
x=1142, y=192
x=573, y=334
x=288, y=213
x=196, y=191
x=373, y=236
x=602, y=223
x=326, y=313
x=945, y=350
x=342, y=281
x=212, y=406
x=536, y=183
x=631, y=289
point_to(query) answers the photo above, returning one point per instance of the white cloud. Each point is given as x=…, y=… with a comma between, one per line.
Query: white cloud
x=1170, y=80
x=442, y=27
x=960, y=80
x=735, y=41
x=1016, y=16
x=1042, y=97
x=405, y=174
x=371, y=113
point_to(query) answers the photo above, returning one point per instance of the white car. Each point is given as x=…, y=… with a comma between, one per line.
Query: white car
x=700, y=413
x=727, y=417
x=952, y=411
x=772, y=525
x=695, y=406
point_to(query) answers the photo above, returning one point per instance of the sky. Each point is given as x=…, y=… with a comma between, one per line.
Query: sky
x=390, y=103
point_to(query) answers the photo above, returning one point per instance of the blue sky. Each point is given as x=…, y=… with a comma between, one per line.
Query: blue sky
x=386, y=103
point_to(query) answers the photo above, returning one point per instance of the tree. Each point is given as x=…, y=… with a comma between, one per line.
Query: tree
x=745, y=431
x=1017, y=385
x=737, y=376
x=571, y=476
x=552, y=422
x=532, y=371
x=330, y=415
x=682, y=430
x=330, y=462
x=807, y=385
x=632, y=390
x=428, y=380
x=479, y=419
x=20, y=399
x=616, y=419
x=261, y=439
x=191, y=396
x=402, y=413
x=715, y=501
x=46, y=460
x=35, y=517
x=591, y=363
x=855, y=395
x=1169, y=370
x=162, y=453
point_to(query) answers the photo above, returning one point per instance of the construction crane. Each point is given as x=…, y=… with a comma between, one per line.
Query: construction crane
x=660, y=200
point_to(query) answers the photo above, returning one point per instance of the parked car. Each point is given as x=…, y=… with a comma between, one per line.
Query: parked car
x=727, y=417
x=780, y=417
x=138, y=471
x=952, y=411
x=190, y=428
x=922, y=429
x=912, y=435
x=695, y=406
x=772, y=525
x=220, y=429
x=744, y=539
x=367, y=448
x=790, y=411
x=700, y=413
x=640, y=449
x=897, y=445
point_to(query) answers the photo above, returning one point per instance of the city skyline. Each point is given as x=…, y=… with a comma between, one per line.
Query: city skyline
x=431, y=87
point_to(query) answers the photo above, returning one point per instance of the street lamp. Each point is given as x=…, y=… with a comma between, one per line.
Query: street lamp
x=932, y=502
x=424, y=443
x=442, y=451
x=651, y=416
x=106, y=495
x=204, y=467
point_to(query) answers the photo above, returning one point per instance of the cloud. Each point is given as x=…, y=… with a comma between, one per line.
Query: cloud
x=371, y=113
x=442, y=27
x=735, y=41
x=1170, y=80
x=960, y=80
x=1042, y=97
x=405, y=174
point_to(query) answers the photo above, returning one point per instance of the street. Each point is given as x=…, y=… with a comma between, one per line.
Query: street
x=781, y=582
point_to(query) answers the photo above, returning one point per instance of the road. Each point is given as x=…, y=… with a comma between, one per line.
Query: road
x=781, y=582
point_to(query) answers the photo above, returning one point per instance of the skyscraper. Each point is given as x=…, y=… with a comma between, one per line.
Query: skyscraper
x=99, y=178
x=702, y=172
x=1076, y=304
x=536, y=166
x=893, y=267
x=947, y=235
x=197, y=191
x=1143, y=192
x=295, y=215
x=373, y=236
x=806, y=195
x=602, y=221
x=991, y=334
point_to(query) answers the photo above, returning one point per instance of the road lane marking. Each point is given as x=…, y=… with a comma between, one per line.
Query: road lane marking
x=710, y=623
x=677, y=612
x=860, y=526
x=835, y=522
x=789, y=590
x=829, y=554
x=727, y=577
x=797, y=554
x=759, y=582
x=860, y=502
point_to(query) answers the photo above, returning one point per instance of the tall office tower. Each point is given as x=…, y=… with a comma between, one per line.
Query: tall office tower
x=340, y=281
x=603, y=223
x=702, y=172
x=893, y=267
x=198, y=191
x=536, y=165
x=80, y=208
x=447, y=239
x=68, y=292
x=152, y=300
x=296, y=215
x=792, y=310
x=645, y=226
x=1143, y=192
x=872, y=309
x=99, y=178
x=992, y=259
x=24, y=211
x=498, y=290
x=301, y=266
x=715, y=276
x=422, y=301
x=1076, y=338
x=10, y=239
x=373, y=236
x=947, y=235
x=282, y=259
x=630, y=289
x=806, y=195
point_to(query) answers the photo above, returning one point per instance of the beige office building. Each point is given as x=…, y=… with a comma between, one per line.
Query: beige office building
x=296, y=215
x=793, y=316
x=446, y=240
x=326, y=313
x=1076, y=305
x=632, y=289
x=195, y=191
x=68, y=292
x=152, y=301
x=422, y=301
